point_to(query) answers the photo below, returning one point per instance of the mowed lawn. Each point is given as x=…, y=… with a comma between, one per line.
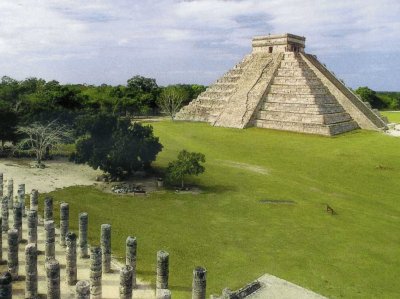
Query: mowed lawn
x=354, y=254
x=393, y=117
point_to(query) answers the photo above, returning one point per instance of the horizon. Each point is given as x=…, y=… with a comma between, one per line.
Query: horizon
x=192, y=42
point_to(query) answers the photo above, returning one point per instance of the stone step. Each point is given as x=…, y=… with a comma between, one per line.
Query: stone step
x=296, y=81
x=302, y=108
x=328, y=130
x=228, y=79
x=289, y=63
x=221, y=88
x=301, y=98
x=288, y=72
x=297, y=90
x=215, y=95
x=304, y=117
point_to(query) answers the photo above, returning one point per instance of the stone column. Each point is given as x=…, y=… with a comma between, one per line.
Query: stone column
x=162, y=269
x=13, y=253
x=83, y=232
x=31, y=273
x=64, y=222
x=10, y=193
x=71, y=268
x=6, y=285
x=48, y=208
x=1, y=241
x=32, y=226
x=199, y=283
x=34, y=201
x=82, y=290
x=131, y=251
x=1, y=184
x=49, y=250
x=21, y=197
x=106, y=246
x=125, y=282
x=4, y=214
x=163, y=294
x=53, y=279
x=95, y=273
x=18, y=220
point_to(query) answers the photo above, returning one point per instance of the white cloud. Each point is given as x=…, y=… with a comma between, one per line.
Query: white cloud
x=57, y=39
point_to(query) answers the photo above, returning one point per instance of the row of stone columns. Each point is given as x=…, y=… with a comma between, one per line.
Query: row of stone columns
x=100, y=256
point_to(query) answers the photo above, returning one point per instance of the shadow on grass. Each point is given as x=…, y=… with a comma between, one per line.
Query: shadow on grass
x=180, y=288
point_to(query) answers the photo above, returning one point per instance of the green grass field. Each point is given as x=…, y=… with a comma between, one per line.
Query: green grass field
x=226, y=229
x=392, y=116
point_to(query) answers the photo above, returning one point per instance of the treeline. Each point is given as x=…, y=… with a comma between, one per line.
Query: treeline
x=36, y=100
x=382, y=100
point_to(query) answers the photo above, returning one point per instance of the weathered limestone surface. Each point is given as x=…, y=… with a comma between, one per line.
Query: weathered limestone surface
x=199, y=284
x=18, y=220
x=53, y=279
x=83, y=233
x=71, y=262
x=1, y=241
x=6, y=285
x=163, y=294
x=34, y=200
x=82, y=290
x=131, y=251
x=32, y=222
x=12, y=261
x=95, y=273
x=64, y=222
x=10, y=193
x=48, y=208
x=21, y=197
x=1, y=184
x=279, y=87
x=50, y=241
x=4, y=214
x=106, y=246
x=31, y=272
x=162, y=269
x=125, y=286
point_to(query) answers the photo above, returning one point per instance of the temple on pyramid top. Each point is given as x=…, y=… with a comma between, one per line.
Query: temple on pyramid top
x=279, y=43
x=280, y=86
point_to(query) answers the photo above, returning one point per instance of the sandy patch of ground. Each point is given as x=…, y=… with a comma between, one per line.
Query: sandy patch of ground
x=57, y=174
x=245, y=166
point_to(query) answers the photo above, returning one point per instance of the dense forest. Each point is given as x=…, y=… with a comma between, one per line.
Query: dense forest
x=37, y=100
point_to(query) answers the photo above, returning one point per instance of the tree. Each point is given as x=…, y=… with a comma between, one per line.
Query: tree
x=171, y=99
x=115, y=145
x=187, y=164
x=8, y=126
x=369, y=95
x=41, y=138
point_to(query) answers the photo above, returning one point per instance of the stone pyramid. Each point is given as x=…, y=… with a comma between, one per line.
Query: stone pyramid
x=279, y=86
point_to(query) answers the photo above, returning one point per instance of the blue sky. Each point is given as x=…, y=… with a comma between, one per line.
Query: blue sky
x=106, y=41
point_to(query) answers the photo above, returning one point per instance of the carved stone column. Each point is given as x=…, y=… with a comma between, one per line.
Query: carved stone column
x=131, y=252
x=162, y=269
x=83, y=233
x=199, y=283
x=64, y=222
x=106, y=246
x=53, y=279
x=31, y=273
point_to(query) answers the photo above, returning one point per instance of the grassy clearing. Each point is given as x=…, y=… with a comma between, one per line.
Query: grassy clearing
x=393, y=117
x=226, y=229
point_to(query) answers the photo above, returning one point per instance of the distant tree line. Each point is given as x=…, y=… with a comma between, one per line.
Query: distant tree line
x=383, y=100
x=35, y=100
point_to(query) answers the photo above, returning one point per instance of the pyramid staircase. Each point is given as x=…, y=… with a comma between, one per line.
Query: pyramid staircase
x=210, y=103
x=298, y=101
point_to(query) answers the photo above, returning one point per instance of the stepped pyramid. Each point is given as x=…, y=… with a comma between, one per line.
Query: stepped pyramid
x=279, y=86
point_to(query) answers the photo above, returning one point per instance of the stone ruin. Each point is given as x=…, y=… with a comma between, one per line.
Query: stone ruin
x=28, y=228
x=279, y=86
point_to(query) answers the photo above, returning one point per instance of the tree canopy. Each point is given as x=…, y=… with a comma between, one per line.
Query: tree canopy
x=188, y=163
x=115, y=145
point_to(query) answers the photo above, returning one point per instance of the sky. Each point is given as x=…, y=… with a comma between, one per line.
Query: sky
x=193, y=41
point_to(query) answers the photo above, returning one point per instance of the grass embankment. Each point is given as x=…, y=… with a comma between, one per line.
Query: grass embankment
x=354, y=254
x=394, y=117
